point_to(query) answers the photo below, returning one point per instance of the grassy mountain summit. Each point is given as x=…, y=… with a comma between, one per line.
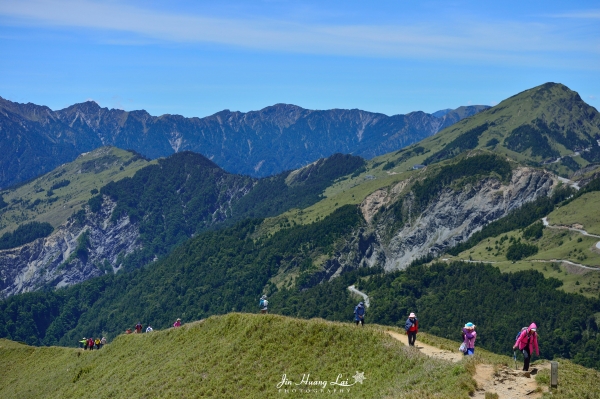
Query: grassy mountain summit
x=545, y=122
x=547, y=125
x=232, y=356
x=267, y=356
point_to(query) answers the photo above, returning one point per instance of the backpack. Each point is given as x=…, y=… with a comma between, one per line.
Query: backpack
x=519, y=333
x=261, y=303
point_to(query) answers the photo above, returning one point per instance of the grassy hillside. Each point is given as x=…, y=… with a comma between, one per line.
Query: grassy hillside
x=232, y=356
x=73, y=183
x=552, y=245
x=583, y=213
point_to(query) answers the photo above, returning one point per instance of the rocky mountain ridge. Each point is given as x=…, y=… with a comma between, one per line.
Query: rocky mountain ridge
x=452, y=218
x=35, y=139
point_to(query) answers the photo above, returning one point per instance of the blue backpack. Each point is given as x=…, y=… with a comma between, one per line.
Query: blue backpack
x=519, y=333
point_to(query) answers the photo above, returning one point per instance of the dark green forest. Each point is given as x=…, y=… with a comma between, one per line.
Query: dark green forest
x=187, y=194
x=466, y=141
x=446, y=296
x=227, y=270
x=25, y=233
x=214, y=273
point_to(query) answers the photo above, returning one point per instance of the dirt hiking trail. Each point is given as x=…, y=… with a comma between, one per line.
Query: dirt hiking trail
x=507, y=383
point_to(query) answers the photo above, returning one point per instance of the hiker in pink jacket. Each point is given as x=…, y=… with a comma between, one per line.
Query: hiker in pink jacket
x=527, y=342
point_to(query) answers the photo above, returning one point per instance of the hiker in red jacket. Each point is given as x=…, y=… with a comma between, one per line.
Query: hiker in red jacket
x=138, y=328
x=91, y=343
x=527, y=342
x=412, y=327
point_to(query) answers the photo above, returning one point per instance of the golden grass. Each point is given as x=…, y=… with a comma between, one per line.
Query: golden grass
x=232, y=356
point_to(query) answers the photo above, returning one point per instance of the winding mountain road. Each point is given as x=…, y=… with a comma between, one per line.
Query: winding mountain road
x=580, y=231
x=353, y=289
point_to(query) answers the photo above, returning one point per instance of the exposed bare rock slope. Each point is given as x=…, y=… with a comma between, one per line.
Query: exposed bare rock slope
x=65, y=257
x=451, y=218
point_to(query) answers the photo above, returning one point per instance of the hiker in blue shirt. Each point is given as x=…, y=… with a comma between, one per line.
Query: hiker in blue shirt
x=359, y=314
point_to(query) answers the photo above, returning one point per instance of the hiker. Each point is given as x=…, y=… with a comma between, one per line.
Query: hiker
x=91, y=343
x=83, y=343
x=527, y=342
x=97, y=342
x=263, y=304
x=128, y=331
x=469, y=335
x=359, y=314
x=103, y=341
x=412, y=327
x=149, y=329
x=138, y=328
x=177, y=323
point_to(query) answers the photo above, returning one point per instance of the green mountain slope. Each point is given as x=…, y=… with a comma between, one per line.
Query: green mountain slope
x=55, y=196
x=232, y=356
x=557, y=250
x=541, y=124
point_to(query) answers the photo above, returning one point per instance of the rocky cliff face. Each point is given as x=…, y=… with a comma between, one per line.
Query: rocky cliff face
x=35, y=139
x=55, y=261
x=452, y=218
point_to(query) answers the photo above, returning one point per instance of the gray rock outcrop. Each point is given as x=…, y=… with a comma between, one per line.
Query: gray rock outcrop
x=450, y=219
x=54, y=261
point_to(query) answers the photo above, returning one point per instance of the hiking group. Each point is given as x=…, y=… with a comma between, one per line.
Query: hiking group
x=89, y=343
x=526, y=340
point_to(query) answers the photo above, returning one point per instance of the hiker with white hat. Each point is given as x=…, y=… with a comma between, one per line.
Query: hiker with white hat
x=469, y=335
x=412, y=327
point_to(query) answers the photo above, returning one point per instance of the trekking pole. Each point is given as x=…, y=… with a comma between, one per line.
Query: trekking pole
x=515, y=357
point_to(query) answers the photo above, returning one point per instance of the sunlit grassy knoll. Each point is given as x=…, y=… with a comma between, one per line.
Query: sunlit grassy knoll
x=232, y=356
x=30, y=202
x=584, y=211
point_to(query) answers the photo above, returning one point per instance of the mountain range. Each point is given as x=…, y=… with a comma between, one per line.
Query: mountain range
x=34, y=139
x=182, y=236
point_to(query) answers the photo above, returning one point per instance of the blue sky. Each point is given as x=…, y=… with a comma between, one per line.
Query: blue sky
x=198, y=57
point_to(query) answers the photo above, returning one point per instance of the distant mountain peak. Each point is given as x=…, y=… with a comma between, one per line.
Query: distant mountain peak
x=442, y=112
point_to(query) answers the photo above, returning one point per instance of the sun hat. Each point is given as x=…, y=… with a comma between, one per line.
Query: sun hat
x=469, y=325
x=178, y=319
x=412, y=315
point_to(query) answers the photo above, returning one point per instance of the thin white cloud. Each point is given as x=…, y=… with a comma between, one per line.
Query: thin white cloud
x=587, y=14
x=506, y=42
